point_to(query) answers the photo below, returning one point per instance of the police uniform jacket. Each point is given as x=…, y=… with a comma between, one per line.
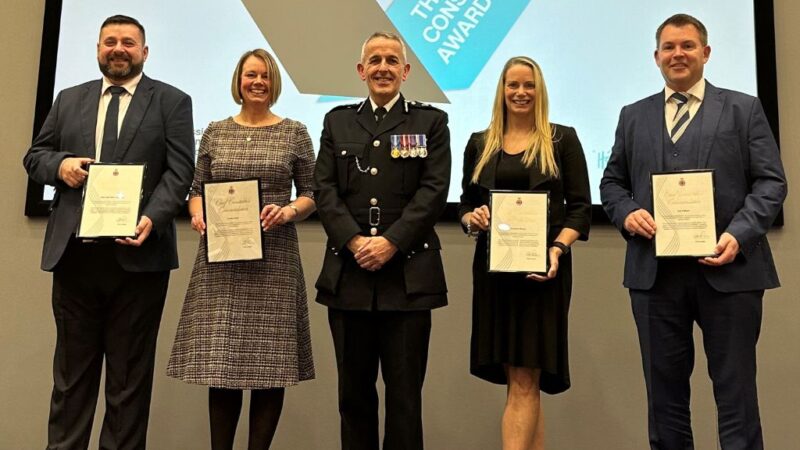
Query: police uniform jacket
x=362, y=189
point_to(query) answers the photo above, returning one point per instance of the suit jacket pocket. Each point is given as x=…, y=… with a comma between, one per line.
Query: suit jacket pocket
x=331, y=272
x=423, y=270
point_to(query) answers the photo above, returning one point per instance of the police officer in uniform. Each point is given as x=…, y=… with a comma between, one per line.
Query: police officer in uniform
x=381, y=181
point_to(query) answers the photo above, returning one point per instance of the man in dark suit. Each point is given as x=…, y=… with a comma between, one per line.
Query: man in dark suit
x=702, y=127
x=381, y=182
x=108, y=295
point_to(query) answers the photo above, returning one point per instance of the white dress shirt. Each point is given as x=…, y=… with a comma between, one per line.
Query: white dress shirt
x=105, y=98
x=695, y=95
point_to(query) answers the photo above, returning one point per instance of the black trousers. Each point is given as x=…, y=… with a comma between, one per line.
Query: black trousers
x=398, y=341
x=102, y=311
x=730, y=323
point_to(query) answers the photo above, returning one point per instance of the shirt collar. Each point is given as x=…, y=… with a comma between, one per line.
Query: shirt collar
x=388, y=105
x=698, y=91
x=130, y=85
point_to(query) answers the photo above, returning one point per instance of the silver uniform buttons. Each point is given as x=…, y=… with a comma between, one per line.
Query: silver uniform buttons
x=373, y=231
x=373, y=201
x=373, y=171
x=425, y=246
x=344, y=152
x=376, y=143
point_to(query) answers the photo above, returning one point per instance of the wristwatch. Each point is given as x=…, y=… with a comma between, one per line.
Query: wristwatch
x=470, y=232
x=564, y=247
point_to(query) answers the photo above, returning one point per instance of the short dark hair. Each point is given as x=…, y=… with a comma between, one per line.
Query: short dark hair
x=119, y=19
x=681, y=20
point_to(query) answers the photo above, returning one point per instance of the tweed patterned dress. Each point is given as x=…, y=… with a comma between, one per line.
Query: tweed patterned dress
x=244, y=325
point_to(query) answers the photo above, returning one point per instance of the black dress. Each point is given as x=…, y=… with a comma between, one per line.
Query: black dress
x=517, y=321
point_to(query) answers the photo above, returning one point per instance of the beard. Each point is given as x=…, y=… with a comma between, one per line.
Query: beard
x=123, y=74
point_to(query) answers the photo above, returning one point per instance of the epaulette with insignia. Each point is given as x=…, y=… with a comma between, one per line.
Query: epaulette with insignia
x=421, y=105
x=348, y=106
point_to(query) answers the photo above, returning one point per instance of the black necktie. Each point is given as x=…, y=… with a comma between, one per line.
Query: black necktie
x=111, y=125
x=379, y=114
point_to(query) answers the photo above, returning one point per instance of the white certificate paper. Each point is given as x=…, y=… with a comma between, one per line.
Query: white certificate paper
x=518, y=232
x=111, y=199
x=683, y=209
x=233, y=225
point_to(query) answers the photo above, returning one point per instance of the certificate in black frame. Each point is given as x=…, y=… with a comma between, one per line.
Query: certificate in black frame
x=89, y=167
x=491, y=226
x=653, y=202
x=242, y=181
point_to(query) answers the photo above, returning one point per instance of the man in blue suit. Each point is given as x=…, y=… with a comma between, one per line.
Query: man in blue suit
x=692, y=124
x=108, y=295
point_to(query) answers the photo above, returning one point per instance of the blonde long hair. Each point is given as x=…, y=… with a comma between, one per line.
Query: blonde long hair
x=539, y=148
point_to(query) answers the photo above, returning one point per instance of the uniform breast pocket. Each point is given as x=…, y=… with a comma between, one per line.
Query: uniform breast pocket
x=407, y=173
x=349, y=163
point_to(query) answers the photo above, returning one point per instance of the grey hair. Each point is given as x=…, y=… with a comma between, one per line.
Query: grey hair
x=384, y=35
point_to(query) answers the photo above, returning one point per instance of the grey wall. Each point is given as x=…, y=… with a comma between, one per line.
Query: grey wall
x=605, y=409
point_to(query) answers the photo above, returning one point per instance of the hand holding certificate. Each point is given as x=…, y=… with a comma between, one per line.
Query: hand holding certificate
x=683, y=209
x=111, y=200
x=518, y=231
x=233, y=225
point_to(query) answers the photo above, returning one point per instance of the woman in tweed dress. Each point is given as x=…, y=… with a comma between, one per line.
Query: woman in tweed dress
x=244, y=325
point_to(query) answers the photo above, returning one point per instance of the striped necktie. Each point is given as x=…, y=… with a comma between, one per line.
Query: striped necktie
x=681, y=119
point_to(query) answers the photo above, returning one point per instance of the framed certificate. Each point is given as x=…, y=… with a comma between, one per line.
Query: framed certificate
x=683, y=209
x=112, y=196
x=517, y=237
x=231, y=210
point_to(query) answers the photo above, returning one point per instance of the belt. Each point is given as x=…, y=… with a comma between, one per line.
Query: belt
x=376, y=215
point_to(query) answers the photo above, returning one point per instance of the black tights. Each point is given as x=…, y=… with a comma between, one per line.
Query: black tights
x=224, y=406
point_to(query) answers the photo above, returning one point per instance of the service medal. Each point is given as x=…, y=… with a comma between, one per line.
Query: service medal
x=423, y=146
x=395, y=140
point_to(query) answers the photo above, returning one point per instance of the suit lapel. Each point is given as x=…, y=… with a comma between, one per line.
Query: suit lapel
x=133, y=118
x=487, y=176
x=394, y=117
x=90, y=103
x=366, y=118
x=535, y=175
x=712, y=111
x=655, y=128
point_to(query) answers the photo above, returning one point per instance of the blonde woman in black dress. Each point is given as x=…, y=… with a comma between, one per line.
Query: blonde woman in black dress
x=519, y=324
x=244, y=325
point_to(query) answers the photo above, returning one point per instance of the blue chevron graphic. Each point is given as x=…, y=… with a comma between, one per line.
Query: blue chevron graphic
x=454, y=39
